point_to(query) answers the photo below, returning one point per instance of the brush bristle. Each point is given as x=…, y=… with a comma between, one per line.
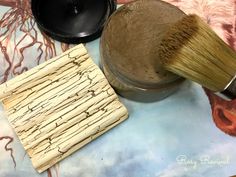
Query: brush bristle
x=193, y=50
x=177, y=36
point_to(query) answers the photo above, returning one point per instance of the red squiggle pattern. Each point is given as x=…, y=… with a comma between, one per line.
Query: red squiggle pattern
x=18, y=26
x=49, y=173
x=10, y=140
x=55, y=168
x=19, y=19
x=224, y=113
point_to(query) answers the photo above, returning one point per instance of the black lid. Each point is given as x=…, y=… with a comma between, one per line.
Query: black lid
x=72, y=21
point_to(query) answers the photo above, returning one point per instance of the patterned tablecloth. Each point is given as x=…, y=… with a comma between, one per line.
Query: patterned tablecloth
x=175, y=137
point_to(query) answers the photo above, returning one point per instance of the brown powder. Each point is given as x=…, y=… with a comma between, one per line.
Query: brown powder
x=131, y=39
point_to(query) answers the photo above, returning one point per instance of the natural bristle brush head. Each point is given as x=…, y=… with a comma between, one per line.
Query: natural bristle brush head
x=176, y=37
x=193, y=50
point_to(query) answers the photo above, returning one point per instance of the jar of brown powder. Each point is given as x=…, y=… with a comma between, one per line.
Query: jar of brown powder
x=129, y=46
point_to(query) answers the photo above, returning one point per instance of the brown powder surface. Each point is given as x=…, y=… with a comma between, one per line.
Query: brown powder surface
x=131, y=39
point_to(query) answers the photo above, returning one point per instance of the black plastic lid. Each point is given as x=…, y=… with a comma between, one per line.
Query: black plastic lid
x=72, y=21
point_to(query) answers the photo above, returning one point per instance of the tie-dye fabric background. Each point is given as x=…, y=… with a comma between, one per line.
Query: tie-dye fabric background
x=176, y=137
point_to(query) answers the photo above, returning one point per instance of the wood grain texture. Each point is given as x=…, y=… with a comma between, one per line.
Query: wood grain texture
x=60, y=106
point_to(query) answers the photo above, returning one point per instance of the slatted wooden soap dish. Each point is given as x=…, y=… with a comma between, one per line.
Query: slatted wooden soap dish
x=60, y=105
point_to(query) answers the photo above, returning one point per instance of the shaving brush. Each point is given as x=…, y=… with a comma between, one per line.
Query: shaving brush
x=194, y=51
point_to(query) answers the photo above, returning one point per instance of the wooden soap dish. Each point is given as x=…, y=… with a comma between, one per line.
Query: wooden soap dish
x=60, y=106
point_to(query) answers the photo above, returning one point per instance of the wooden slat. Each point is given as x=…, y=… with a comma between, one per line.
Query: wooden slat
x=60, y=106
